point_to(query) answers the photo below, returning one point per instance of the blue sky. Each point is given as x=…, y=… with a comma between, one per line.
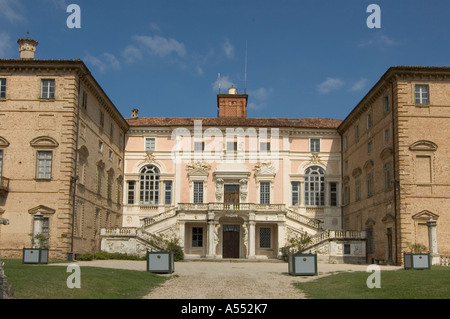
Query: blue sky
x=305, y=58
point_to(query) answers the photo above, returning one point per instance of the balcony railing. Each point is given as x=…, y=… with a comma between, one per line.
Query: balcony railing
x=231, y=207
x=4, y=184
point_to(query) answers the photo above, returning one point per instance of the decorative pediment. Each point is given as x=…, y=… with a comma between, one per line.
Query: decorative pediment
x=83, y=152
x=3, y=142
x=368, y=165
x=198, y=168
x=386, y=153
x=388, y=218
x=264, y=169
x=423, y=145
x=101, y=164
x=425, y=215
x=370, y=222
x=44, y=142
x=356, y=172
x=42, y=210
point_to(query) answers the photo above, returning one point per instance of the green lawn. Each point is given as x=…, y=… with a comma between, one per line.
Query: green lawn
x=50, y=282
x=396, y=284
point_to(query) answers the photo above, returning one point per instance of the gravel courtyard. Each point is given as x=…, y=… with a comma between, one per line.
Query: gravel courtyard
x=230, y=279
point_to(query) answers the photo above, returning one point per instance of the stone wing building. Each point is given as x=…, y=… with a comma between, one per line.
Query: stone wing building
x=396, y=164
x=61, y=156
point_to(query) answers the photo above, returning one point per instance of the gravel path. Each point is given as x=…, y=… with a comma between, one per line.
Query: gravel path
x=230, y=280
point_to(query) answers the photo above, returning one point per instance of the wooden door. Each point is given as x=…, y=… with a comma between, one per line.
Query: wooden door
x=230, y=245
x=231, y=194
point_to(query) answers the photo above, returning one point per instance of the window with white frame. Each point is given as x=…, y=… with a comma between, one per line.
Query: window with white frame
x=264, y=146
x=314, y=186
x=295, y=193
x=150, y=144
x=422, y=94
x=44, y=165
x=199, y=146
x=2, y=88
x=264, y=192
x=149, y=185
x=198, y=192
x=333, y=194
x=314, y=145
x=48, y=89
x=131, y=192
x=167, y=192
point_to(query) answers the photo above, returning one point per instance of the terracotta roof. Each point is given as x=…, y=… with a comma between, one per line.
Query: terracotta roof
x=317, y=123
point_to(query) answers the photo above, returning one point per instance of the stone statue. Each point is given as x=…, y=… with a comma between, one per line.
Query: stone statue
x=6, y=290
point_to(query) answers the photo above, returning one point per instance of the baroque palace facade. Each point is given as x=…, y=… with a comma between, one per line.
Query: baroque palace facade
x=72, y=168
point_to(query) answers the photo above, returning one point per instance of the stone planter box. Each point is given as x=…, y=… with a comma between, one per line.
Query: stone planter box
x=303, y=265
x=160, y=262
x=417, y=261
x=35, y=256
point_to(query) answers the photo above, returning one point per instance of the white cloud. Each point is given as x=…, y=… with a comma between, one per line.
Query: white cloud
x=5, y=44
x=11, y=10
x=131, y=54
x=159, y=46
x=359, y=85
x=228, y=48
x=224, y=83
x=259, y=98
x=103, y=62
x=379, y=40
x=330, y=84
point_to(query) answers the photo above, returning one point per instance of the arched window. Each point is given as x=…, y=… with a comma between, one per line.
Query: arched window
x=149, y=185
x=314, y=186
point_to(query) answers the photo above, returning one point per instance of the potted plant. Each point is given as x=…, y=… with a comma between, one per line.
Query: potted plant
x=38, y=254
x=300, y=264
x=417, y=258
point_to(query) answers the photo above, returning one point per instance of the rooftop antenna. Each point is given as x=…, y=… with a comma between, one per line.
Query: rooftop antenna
x=245, y=72
x=218, y=78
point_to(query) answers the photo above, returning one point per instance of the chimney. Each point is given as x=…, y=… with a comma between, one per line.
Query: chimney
x=27, y=48
x=135, y=114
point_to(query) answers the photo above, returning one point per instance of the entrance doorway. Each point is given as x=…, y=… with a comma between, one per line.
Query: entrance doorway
x=230, y=248
x=231, y=194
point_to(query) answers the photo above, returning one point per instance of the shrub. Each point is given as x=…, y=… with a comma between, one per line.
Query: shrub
x=296, y=245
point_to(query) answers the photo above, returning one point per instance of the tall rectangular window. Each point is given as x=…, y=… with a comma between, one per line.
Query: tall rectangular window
x=314, y=145
x=199, y=146
x=369, y=184
x=198, y=192
x=44, y=165
x=265, y=235
x=333, y=194
x=264, y=190
x=48, y=89
x=295, y=193
x=264, y=146
x=386, y=104
x=1, y=162
x=131, y=192
x=358, y=189
x=387, y=176
x=168, y=192
x=84, y=100
x=2, y=88
x=422, y=94
x=102, y=119
x=197, y=237
x=232, y=146
x=150, y=143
